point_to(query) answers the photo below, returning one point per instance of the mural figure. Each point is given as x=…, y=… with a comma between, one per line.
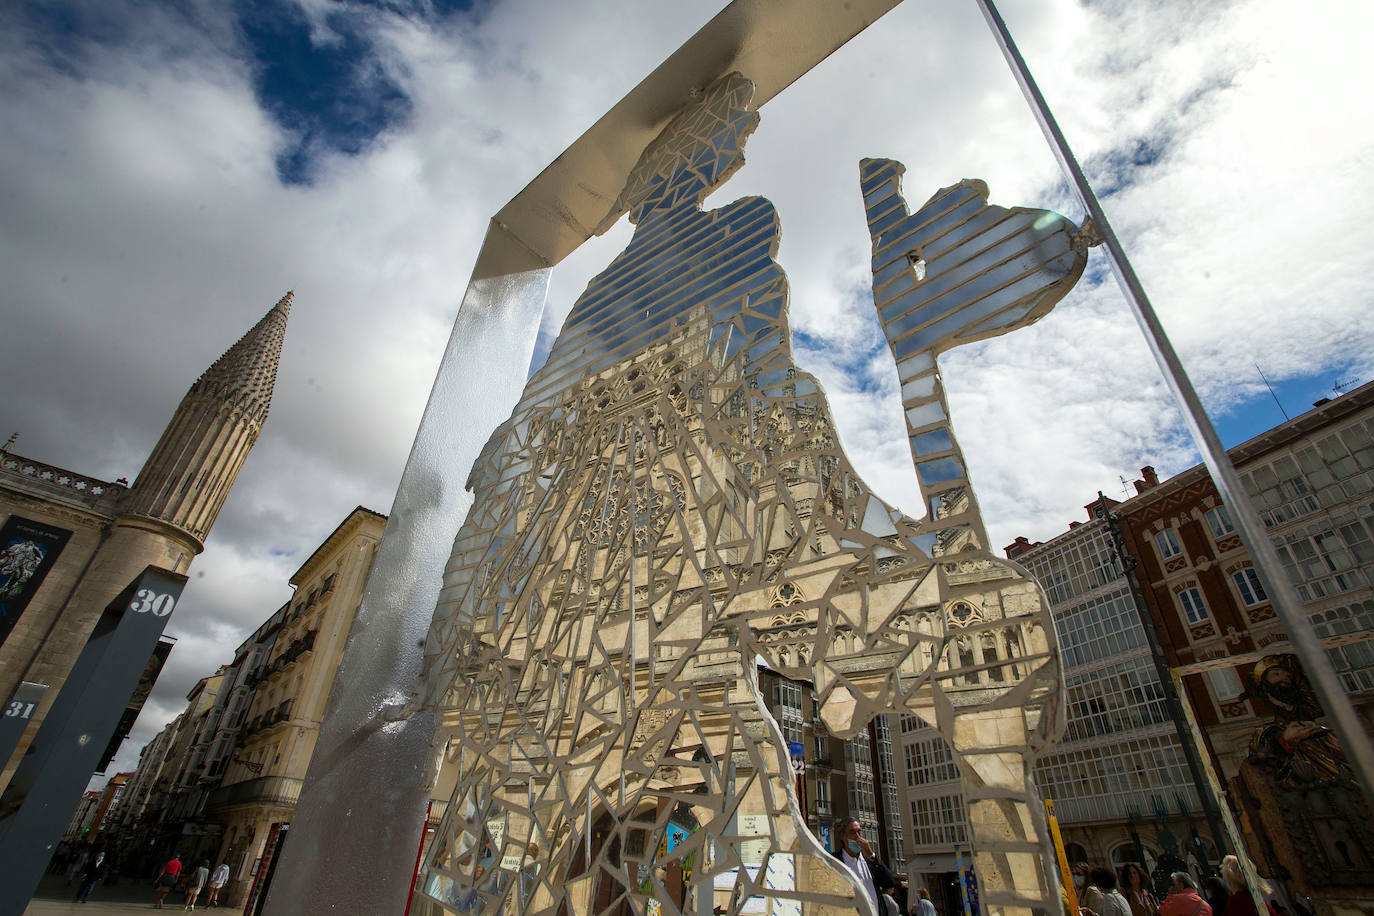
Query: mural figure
x=668, y=507
x=18, y=562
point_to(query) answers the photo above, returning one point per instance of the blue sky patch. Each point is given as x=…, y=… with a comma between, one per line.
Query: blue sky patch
x=328, y=94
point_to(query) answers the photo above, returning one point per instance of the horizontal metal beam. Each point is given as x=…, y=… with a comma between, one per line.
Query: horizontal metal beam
x=771, y=42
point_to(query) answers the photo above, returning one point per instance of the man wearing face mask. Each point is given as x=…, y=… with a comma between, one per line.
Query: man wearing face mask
x=1089, y=896
x=856, y=852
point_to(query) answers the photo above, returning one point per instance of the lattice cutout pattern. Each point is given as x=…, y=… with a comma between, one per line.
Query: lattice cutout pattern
x=669, y=480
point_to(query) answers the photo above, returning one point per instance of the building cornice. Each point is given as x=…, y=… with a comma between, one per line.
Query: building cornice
x=346, y=529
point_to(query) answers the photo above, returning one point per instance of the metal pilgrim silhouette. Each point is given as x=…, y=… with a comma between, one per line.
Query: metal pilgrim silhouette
x=668, y=507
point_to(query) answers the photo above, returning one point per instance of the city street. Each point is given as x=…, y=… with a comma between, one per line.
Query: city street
x=55, y=897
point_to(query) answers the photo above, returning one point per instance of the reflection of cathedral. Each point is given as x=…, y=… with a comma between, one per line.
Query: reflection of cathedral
x=91, y=538
x=667, y=508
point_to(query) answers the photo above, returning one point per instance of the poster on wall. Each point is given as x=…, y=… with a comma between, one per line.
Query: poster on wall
x=28, y=549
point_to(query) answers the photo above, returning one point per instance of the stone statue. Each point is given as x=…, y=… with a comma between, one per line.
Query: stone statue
x=1298, y=796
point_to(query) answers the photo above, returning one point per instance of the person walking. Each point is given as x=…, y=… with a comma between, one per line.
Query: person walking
x=1240, y=903
x=78, y=862
x=923, y=905
x=1110, y=901
x=1183, y=899
x=1089, y=896
x=1215, y=892
x=197, y=883
x=1135, y=887
x=217, y=882
x=91, y=873
x=529, y=873
x=856, y=852
x=166, y=879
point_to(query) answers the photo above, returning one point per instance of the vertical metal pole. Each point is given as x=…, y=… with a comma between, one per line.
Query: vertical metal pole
x=1189, y=741
x=1062, y=858
x=419, y=854
x=368, y=780
x=1284, y=597
x=1247, y=865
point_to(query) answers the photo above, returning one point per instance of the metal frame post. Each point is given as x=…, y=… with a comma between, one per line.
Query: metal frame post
x=1320, y=672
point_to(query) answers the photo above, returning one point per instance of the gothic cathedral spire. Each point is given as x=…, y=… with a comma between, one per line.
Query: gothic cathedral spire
x=187, y=477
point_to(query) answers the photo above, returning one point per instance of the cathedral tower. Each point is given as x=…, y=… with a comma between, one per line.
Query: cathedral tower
x=97, y=537
x=187, y=477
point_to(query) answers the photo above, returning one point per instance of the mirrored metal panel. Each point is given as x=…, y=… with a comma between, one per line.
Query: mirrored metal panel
x=668, y=508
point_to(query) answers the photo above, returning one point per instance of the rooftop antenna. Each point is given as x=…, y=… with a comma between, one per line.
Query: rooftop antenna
x=1271, y=392
x=1125, y=487
x=10, y=441
x=1338, y=388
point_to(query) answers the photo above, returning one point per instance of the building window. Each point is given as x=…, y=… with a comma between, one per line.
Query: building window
x=787, y=694
x=1099, y=627
x=1354, y=664
x=1248, y=584
x=1113, y=699
x=787, y=700
x=823, y=796
x=1321, y=561
x=1168, y=544
x=938, y=821
x=1219, y=522
x=1226, y=685
x=1193, y=608
x=929, y=762
x=1106, y=780
x=1067, y=570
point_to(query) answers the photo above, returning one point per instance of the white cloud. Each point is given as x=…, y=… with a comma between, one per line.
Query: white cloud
x=144, y=229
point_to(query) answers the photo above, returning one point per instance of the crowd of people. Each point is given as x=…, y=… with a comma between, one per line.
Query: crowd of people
x=1132, y=891
x=1099, y=891
x=88, y=865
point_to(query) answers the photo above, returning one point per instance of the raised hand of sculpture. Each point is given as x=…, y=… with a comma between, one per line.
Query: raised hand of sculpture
x=668, y=505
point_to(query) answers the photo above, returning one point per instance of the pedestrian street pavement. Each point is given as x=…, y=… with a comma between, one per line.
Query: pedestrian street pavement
x=54, y=898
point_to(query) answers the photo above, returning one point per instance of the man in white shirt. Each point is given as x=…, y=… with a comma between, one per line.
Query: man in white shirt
x=857, y=853
x=217, y=882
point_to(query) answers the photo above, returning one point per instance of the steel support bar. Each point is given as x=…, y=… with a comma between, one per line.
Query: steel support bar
x=367, y=784
x=1247, y=865
x=1317, y=665
x=1189, y=740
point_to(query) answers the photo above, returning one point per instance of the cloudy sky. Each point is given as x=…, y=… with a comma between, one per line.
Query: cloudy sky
x=169, y=170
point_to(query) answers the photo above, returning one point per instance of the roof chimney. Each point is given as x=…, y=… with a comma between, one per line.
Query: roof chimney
x=1018, y=547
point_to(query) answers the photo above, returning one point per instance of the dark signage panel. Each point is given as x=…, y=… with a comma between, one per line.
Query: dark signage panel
x=17, y=713
x=130, y=716
x=47, y=785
